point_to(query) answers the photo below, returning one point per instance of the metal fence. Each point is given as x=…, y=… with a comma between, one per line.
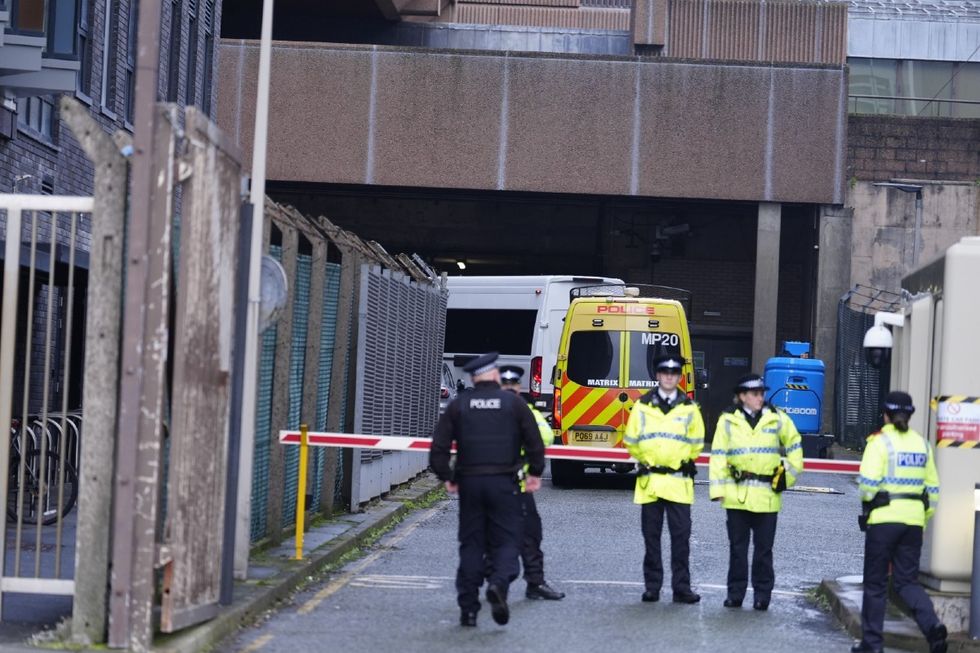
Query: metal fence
x=43, y=285
x=859, y=387
x=358, y=349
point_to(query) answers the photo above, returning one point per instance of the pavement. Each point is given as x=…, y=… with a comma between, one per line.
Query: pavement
x=844, y=596
x=273, y=576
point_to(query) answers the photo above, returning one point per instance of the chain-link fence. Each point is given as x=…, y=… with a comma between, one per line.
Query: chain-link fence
x=859, y=387
x=357, y=349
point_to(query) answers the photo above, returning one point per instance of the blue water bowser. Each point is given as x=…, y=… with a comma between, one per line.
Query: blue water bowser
x=795, y=384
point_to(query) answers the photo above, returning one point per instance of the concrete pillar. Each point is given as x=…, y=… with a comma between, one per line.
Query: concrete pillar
x=833, y=280
x=766, y=284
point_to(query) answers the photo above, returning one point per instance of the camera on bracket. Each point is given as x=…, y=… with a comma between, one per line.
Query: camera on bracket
x=878, y=339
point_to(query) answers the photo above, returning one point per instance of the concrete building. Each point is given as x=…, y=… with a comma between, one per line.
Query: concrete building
x=644, y=142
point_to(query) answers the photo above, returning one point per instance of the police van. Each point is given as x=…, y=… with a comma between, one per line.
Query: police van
x=518, y=316
x=604, y=364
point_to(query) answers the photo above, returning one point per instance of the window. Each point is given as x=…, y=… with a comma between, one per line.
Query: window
x=130, y=67
x=914, y=88
x=28, y=16
x=206, y=80
x=479, y=330
x=109, y=54
x=37, y=115
x=192, y=30
x=85, y=48
x=173, y=84
x=645, y=346
x=593, y=358
x=62, y=26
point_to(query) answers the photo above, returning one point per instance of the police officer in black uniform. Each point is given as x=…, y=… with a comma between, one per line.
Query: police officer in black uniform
x=489, y=426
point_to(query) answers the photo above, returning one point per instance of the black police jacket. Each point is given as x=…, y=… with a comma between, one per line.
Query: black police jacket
x=489, y=426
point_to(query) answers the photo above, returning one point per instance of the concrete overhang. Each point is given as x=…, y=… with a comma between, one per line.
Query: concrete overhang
x=20, y=53
x=55, y=76
x=545, y=123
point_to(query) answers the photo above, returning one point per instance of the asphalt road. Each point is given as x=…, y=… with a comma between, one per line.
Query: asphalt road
x=400, y=596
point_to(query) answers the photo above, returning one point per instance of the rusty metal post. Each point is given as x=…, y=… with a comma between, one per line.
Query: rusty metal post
x=101, y=376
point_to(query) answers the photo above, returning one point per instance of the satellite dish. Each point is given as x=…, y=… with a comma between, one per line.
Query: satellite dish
x=274, y=291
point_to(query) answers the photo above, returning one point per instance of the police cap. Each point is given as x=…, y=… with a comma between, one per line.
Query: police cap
x=750, y=382
x=511, y=373
x=668, y=362
x=898, y=402
x=482, y=364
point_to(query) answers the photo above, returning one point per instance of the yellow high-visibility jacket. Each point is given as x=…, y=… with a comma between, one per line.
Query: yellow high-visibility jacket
x=547, y=435
x=901, y=464
x=658, y=439
x=758, y=450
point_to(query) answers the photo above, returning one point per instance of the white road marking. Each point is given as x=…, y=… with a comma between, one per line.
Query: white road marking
x=338, y=583
x=395, y=581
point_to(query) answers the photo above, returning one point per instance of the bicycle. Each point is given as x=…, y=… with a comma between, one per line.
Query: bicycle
x=27, y=490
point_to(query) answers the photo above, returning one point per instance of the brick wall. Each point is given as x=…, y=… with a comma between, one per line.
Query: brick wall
x=887, y=147
x=29, y=158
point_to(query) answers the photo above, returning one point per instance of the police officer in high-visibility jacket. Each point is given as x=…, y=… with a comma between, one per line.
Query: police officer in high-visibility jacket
x=748, y=474
x=531, y=554
x=491, y=427
x=899, y=491
x=665, y=433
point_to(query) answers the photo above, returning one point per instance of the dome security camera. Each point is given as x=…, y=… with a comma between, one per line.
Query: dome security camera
x=877, y=345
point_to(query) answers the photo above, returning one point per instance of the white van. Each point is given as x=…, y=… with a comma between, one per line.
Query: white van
x=518, y=316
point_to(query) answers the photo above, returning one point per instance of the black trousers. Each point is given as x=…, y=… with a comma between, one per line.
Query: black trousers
x=761, y=526
x=531, y=554
x=900, y=545
x=652, y=525
x=490, y=525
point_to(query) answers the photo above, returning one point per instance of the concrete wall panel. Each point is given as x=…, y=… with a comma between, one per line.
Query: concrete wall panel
x=802, y=166
x=436, y=125
x=570, y=125
x=702, y=134
x=618, y=126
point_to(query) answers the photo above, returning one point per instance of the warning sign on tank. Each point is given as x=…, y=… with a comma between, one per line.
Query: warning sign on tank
x=958, y=418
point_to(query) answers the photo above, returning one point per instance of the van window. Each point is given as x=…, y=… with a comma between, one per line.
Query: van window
x=593, y=358
x=478, y=330
x=645, y=346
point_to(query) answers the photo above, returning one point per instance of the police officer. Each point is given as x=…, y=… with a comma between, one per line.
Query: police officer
x=748, y=475
x=531, y=554
x=490, y=427
x=665, y=433
x=899, y=491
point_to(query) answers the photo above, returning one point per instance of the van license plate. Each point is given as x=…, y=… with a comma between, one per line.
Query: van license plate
x=591, y=437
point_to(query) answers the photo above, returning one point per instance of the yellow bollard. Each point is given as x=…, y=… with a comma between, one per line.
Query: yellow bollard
x=301, y=491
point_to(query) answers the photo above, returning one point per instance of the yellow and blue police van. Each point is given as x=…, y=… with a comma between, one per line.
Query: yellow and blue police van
x=610, y=338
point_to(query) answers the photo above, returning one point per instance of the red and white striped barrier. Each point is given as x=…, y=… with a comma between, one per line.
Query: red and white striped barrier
x=605, y=454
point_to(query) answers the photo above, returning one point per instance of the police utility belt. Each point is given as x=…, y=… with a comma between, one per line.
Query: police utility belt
x=687, y=468
x=882, y=498
x=487, y=470
x=776, y=480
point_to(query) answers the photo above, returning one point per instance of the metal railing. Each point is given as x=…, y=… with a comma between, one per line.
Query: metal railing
x=42, y=243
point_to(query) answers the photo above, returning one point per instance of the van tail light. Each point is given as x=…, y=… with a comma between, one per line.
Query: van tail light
x=535, y=377
x=690, y=394
x=556, y=412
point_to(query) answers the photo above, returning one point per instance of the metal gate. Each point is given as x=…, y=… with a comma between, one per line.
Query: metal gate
x=859, y=387
x=44, y=273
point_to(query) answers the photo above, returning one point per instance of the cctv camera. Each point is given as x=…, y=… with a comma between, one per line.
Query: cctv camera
x=877, y=345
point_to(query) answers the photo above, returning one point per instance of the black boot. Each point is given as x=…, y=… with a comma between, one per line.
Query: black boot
x=498, y=605
x=937, y=639
x=467, y=619
x=687, y=597
x=733, y=603
x=650, y=597
x=543, y=591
